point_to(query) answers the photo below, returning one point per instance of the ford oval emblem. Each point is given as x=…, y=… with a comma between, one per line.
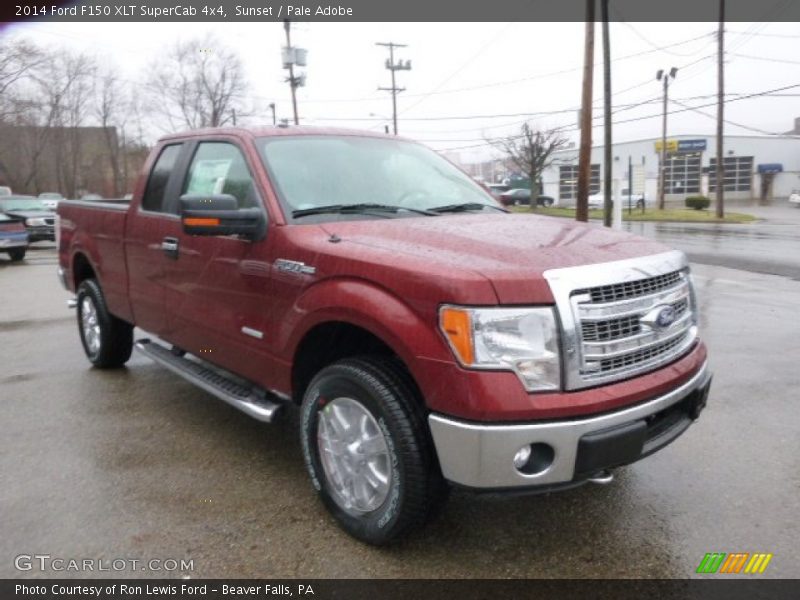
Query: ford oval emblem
x=665, y=317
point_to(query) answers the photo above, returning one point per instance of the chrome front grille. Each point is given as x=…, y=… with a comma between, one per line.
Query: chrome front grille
x=632, y=289
x=623, y=318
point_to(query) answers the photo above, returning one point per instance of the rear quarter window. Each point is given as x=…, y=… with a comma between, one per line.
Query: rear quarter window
x=154, y=198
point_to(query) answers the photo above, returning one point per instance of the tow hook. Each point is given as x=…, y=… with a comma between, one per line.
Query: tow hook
x=602, y=477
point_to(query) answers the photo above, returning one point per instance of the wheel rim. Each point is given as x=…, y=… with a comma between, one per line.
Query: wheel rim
x=354, y=456
x=90, y=325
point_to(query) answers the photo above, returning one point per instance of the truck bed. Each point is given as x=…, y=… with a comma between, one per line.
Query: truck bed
x=96, y=228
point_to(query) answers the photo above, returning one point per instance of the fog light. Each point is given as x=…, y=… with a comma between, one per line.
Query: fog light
x=534, y=459
x=521, y=457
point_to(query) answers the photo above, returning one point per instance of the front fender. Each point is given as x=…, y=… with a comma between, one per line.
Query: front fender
x=413, y=336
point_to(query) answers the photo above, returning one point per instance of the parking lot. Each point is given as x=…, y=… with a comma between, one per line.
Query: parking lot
x=137, y=463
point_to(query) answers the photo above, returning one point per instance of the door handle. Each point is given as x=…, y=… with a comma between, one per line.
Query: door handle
x=169, y=245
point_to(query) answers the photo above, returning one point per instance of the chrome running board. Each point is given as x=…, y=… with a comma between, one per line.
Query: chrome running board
x=251, y=400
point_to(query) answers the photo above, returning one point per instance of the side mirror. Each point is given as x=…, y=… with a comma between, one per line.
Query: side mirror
x=218, y=214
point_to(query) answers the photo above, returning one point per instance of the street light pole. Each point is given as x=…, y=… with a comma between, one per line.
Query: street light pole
x=272, y=108
x=663, y=76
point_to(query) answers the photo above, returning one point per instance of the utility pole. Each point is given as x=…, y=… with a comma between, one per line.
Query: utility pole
x=393, y=67
x=272, y=107
x=291, y=57
x=720, y=175
x=662, y=171
x=607, y=165
x=585, y=152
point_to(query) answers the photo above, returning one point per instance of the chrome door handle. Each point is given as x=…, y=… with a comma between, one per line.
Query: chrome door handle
x=170, y=246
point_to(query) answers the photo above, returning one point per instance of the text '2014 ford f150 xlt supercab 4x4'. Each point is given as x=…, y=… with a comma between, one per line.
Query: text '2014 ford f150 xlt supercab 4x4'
x=429, y=337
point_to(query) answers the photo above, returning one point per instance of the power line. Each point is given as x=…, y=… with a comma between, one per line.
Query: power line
x=459, y=69
x=774, y=35
x=728, y=121
x=773, y=60
x=652, y=116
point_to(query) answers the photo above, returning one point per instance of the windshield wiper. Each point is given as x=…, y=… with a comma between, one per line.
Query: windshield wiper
x=466, y=206
x=364, y=207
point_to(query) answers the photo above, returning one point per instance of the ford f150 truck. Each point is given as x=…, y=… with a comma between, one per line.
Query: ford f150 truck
x=429, y=338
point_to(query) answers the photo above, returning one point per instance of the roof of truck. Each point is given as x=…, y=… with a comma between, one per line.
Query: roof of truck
x=274, y=131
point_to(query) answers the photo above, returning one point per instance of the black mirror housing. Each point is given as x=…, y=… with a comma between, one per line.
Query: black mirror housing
x=219, y=214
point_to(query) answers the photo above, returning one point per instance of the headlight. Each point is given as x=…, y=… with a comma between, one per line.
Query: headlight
x=35, y=222
x=523, y=340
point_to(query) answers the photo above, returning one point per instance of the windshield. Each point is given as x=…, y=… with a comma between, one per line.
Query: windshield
x=322, y=171
x=22, y=204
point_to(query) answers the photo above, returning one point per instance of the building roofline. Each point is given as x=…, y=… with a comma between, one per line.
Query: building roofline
x=782, y=136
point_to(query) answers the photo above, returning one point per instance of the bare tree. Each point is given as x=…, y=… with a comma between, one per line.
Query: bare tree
x=199, y=83
x=112, y=110
x=18, y=58
x=531, y=152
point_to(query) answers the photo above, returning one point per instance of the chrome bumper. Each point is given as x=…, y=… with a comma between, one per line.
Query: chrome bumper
x=481, y=456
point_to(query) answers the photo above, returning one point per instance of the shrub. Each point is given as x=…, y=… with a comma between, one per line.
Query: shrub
x=697, y=202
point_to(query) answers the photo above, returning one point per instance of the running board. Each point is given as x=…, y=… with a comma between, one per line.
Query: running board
x=252, y=401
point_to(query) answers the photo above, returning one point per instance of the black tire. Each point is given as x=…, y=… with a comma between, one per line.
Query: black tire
x=417, y=490
x=17, y=254
x=640, y=204
x=116, y=335
x=547, y=202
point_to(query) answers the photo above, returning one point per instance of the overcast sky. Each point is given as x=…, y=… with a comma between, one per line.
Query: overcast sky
x=494, y=71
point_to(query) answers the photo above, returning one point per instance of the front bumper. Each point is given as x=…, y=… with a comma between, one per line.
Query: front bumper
x=13, y=241
x=481, y=456
x=41, y=232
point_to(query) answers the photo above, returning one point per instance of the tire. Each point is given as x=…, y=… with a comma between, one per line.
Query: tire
x=547, y=202
x=383, y=390
x=107, y=340
x=17, y=254
x=640, y=204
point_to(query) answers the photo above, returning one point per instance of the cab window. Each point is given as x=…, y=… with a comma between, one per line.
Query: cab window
x=220, y=168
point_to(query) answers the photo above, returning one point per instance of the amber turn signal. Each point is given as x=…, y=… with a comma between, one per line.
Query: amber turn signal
x=457, y=326
x=201, y=221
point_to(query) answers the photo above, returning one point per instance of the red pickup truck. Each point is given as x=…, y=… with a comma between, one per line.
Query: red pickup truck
x=429, y=337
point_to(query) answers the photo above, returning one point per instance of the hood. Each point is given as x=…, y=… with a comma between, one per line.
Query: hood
x=510, y=250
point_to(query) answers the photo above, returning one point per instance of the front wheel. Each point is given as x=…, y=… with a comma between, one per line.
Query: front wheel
x=107, y=340
x=368, y=450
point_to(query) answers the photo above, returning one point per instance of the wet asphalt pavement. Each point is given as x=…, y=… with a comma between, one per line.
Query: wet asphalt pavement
x=138, y=464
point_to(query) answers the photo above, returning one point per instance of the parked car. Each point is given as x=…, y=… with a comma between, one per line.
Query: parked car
x=51, y=199
x=497, y=189
x=427, y=336
x=38, y=219
x=91, y=197
x=522, y=196
x=794, y=197
x=598, y=200
x=13, y=237
x=5, y=190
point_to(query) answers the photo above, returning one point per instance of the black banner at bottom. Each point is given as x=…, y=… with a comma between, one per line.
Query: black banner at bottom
x=389, y=589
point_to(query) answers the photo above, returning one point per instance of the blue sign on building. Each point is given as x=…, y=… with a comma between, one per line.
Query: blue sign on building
x=691, y=145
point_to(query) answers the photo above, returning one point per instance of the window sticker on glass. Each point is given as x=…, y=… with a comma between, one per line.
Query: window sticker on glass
x=208, y=176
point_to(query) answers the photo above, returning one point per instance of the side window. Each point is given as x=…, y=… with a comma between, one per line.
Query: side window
x=154, y=198
x=220, y=168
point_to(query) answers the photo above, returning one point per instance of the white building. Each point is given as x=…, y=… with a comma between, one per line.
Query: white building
x=760, y=167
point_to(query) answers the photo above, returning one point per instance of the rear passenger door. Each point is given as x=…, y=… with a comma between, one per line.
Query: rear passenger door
x=144, y=239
